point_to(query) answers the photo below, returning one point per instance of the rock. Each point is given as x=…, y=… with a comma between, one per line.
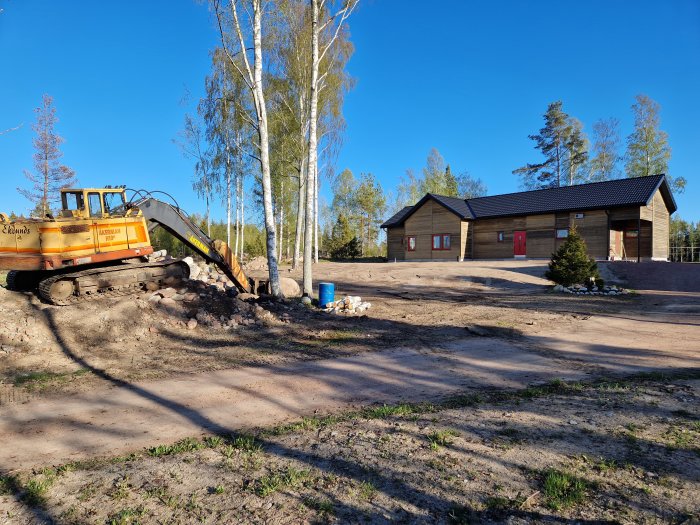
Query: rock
x=573, y=422
x=306, y=300
x=558, y=288
x=192, y=324
x=151, y=286
x=168, y=302
x=154, y=299
x=178, y=297
x=246, y=297
x=191, y=297
x=290, y=288
x=166, y=293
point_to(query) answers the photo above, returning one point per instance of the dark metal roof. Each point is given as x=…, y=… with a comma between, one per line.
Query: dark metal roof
x=618, y=193
x=398, y=218
x=636, y=191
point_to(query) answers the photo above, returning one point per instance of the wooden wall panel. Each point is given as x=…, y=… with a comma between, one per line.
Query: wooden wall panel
x=433, y=219
x=465, y=238
x=486, y=245
x=395, y=244
x=660, y=228
x=593, y=227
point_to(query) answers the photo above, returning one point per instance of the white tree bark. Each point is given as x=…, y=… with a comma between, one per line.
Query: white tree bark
x=316, y=213
x=299, y=233
x=313, y=161
x=253, y=78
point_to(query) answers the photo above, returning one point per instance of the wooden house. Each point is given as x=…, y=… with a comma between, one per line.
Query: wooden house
x=619, y=219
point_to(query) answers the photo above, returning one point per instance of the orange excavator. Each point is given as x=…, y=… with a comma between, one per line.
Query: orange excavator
x=98, y=245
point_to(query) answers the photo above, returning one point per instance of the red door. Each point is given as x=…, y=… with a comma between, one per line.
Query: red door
x=519, y=244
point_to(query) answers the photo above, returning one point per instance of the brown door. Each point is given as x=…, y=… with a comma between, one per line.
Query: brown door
x=519, y=244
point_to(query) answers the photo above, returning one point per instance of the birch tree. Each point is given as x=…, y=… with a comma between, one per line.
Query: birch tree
x=236, y=44
x=193, y=146
x=334, y=24
x=606, y=145
x=648, y=152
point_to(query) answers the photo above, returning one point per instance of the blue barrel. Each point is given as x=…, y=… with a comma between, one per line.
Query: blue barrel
x=326, y=294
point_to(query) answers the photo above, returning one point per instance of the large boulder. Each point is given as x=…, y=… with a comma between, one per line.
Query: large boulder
x=290, y=288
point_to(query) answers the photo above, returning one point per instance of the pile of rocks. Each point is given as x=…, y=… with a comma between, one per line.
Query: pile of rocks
x=579, y=289
x=350, y=304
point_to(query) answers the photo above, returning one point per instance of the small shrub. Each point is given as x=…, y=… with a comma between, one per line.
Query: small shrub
x=571, y=263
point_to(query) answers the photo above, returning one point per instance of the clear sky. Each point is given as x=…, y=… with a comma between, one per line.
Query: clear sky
x=471, y=79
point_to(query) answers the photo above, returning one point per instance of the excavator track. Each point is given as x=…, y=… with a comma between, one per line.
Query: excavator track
x=114, y=281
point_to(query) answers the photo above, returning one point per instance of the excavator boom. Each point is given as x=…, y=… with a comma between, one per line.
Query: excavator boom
x=172, y=219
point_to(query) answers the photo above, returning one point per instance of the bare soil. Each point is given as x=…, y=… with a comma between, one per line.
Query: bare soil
x=112, y=377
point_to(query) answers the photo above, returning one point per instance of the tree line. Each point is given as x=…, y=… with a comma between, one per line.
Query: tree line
x=569, y=157
x=272, y=115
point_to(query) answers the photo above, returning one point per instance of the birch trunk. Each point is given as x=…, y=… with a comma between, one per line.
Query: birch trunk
x=299, y=233
x=228, y=197
x=242, y=222
x=312, y=163
x=264, y=151
x=316, y=215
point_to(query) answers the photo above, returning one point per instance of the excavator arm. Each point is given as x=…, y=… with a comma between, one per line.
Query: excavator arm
x=172, y=219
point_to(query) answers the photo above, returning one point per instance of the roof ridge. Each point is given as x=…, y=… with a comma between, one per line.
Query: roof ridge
x=659, y=175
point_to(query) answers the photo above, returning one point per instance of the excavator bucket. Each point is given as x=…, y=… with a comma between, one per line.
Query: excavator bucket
x=239, y=277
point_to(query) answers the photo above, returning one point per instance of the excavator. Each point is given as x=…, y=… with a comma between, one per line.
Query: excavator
x=98, y=245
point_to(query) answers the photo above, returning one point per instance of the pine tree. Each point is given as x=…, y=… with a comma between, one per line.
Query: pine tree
x=648, y=152
x=564, y=146
x=571, y=263
x=50, y=175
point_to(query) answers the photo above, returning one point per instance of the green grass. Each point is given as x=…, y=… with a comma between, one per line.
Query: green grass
x=441, y=438
x=127, y=516
x=184, y=445
x=320, y=505
x=35, y=380
x=271, y=483
x=367, y=491
x=562, y=490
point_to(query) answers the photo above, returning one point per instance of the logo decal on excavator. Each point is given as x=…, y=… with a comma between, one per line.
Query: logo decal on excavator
x=15, y=230
x=199, y=244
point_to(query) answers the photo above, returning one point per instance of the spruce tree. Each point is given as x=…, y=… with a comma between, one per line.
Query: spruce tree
x=50, y=175
x=571, y=263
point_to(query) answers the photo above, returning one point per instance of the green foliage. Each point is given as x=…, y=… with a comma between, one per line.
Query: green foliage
x=564, y=147
x=571, y=263
x=684, y=240
x=562, y=490
x=253, y=235
x=648, y=152
x=606, y=144
x=343, y=242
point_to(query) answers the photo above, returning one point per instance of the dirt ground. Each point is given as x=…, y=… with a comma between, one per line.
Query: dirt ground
x=491, y=327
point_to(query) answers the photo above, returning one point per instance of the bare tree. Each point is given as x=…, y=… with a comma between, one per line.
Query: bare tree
x=50, y=175
x=236, y=45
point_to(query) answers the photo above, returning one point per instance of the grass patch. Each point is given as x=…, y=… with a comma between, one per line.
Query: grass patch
x=367, y=491
x=320, y=505
x=37, y=380
x=184, y=445
x=126, y=516
x=271, y=483
x=562, y=490
x=441, y=438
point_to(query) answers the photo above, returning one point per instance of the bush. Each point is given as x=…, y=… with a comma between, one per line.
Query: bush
x=350, y=250
x=571, y=263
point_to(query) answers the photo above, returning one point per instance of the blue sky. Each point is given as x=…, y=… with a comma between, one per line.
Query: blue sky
x=471, y=79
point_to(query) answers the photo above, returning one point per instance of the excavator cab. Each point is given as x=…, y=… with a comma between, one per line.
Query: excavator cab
x=93, y=203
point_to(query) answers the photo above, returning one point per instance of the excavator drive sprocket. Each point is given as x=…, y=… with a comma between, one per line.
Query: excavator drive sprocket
x=70, y=288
